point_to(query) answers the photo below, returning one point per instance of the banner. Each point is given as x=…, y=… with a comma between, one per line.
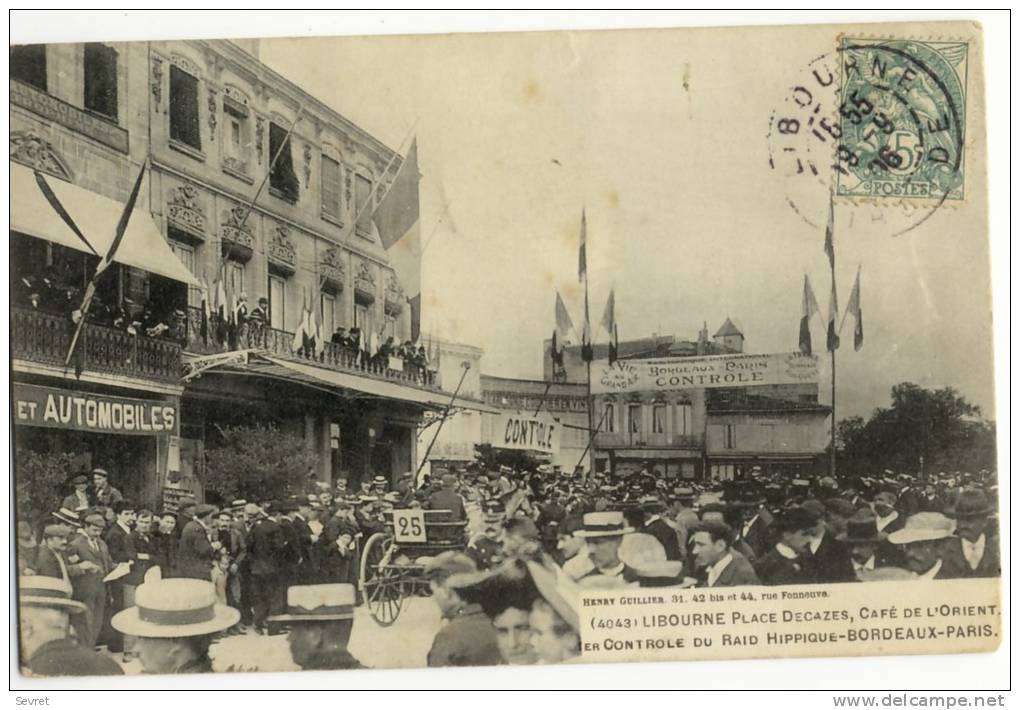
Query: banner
x=680, y=373
x=67, y=409
x=527, y=433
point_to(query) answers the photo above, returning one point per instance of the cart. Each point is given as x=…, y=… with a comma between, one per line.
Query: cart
x=390, y=569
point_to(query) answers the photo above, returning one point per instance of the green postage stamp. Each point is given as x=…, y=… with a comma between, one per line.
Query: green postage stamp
x=902, y=108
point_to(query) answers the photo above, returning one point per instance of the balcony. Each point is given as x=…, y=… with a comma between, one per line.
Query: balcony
x=279, y=342
x=623, y=440
x=43, y=338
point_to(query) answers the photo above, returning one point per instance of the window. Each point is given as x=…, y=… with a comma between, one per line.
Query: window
x=634, y=416
x=236, y=139
x=687, y=470
x=683, y=425
x=282, y=179
x=722, y=472
x=360, y=316
x=28, y=65
x=277, y=302
x=609, y=419
x=729, y=436
x=101, y=80
x=659, y=419
x=331, y=187
x=186, y=254
x=184, y=108
x=328, y=304
x=362, y=191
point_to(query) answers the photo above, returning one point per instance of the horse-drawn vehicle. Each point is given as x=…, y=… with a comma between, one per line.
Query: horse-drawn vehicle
x=391, y=567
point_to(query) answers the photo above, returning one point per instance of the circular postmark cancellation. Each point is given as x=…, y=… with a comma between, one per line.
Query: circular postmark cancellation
x=879, y=122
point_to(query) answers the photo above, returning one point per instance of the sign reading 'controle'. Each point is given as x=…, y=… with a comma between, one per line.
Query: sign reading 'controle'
x=517, y=431
x=84, y=411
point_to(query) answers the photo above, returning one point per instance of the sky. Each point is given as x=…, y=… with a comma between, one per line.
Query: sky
x=660, y=137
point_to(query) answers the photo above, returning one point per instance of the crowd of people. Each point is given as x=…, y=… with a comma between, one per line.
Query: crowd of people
x=533, y=541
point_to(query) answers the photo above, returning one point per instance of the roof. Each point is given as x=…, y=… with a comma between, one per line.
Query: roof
x=727, y=401
x=727, y=329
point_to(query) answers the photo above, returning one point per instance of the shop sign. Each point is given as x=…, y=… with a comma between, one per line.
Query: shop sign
x=53, y=408
x=523, y=432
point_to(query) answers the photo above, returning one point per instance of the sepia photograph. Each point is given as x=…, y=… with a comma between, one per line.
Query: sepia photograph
x=503, y=348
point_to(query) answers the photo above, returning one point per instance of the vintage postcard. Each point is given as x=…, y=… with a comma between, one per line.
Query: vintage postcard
x=504, y=348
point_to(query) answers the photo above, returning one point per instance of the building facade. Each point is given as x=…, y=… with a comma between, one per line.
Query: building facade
x=216, y=129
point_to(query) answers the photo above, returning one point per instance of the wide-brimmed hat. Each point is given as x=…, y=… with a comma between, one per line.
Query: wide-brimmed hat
x=970, y=503
x=561, y=594
x=68, y=517
x=861, y=527
x=922, y=527
x=318, y=602
x=609, y=523
x=175, y=608
x=40, y=590
x=663, y=573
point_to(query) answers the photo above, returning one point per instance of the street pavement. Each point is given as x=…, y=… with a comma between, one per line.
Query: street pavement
x=405, y=644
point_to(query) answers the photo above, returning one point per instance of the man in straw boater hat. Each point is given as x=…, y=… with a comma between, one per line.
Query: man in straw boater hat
x=603, y=534
x=321, y=618
x=922, y=539
x=174, y=621
x=45, y=607
x=975, y=550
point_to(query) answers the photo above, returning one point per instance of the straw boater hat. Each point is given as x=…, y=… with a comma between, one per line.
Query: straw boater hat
x=923, y=527
x=318, y=602
x=175, y=608
x=608, y=523
x=40, y=590
x=68, y=517
x=862, y=527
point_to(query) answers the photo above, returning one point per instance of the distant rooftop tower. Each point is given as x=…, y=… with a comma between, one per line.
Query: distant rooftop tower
x=703, y=338
x=729, y=336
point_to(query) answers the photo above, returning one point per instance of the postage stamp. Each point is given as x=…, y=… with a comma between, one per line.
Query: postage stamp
x=902, y=105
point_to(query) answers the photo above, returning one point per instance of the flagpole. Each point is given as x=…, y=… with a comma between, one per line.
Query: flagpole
x=591, y=346
x=446, y=412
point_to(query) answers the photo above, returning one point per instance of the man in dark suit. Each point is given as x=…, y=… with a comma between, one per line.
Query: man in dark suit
x=747, y=499
x=712, y=553
x=90, y=561
x=657, y=527
x=785, y=562
x=306, y=569
x=165, y=540
x=195, y=552
x=118, y=541
x=289, y=559
x=447, y=498
x=264, y=548
x=827, y=560
x=974, y=551
x=50, y=557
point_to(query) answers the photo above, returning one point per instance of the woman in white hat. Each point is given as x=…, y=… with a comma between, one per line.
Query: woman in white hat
x=175, y=620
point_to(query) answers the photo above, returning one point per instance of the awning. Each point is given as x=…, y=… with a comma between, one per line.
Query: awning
x=143, y=246
x=261, y=363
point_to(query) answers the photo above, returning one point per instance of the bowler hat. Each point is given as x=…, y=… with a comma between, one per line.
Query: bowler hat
x=970, y=503
x=175, y=608
x=862, y=527
x=318, y=602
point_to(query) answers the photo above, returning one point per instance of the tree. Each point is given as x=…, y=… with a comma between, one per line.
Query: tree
x=41, y=478
x=492, y=458
x=923, y=430
x=257, y=463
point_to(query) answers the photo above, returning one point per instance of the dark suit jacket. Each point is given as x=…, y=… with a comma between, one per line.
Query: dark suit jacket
x=147, y=554
x=774, y=569
x=120, y=544
x=758, y=538
x=48, y=565
x=446, y=499
x=66, y=657
x=667, y=537
x=264, y=546
x=88, y=584
x=830, y=563
x=955, y=565
x=195, y=553
x=739, y=572
x=289, y=558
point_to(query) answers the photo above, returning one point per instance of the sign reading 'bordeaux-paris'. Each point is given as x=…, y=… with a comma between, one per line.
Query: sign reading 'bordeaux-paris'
x=679, y=373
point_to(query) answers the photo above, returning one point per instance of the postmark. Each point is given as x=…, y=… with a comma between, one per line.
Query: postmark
x=879, y=123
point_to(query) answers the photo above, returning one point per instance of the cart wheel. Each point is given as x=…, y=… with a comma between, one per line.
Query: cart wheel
x=381, y=584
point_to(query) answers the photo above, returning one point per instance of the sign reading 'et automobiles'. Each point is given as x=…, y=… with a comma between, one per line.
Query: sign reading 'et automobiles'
x=84, y=411
x=679, y=373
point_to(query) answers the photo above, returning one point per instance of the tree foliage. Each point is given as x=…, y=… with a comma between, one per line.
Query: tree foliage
x=935, y=426
x=41, y=478
x=257, y=463
x=492, y=458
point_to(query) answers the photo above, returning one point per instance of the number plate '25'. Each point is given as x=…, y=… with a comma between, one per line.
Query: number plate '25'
x=409, y=525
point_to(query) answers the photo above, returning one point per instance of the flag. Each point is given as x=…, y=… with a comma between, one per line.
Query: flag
x=564, y=326
x=614, y=345
x=557, y=355
x=609, y=323
x=582, y=254
x=829, y=248
x=320, y=338
x=81, y=313
x=397, y=220
x=809, y=306
x=853, y=307
x=203, y=328
x=832, y=335
x=301, y=332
